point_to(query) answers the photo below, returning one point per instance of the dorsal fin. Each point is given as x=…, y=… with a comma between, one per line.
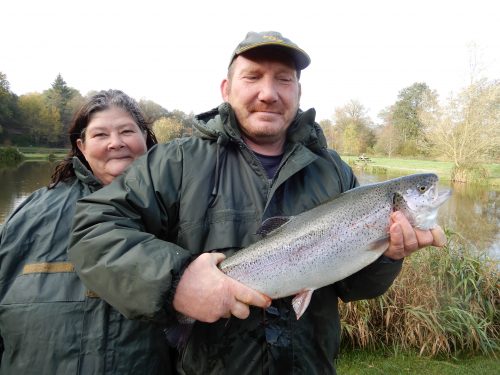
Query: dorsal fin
x=273, y=223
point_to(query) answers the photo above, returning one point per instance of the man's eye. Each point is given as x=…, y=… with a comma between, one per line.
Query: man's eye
x=99, y=135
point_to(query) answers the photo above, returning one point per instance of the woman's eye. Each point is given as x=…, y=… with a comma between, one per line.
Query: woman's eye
x=128, y=131
x=99, y=135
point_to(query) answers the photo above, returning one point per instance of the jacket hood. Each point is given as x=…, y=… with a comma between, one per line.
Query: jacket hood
x=221, y=122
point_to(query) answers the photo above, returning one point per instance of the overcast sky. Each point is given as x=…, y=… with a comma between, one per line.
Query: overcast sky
x=176, y=52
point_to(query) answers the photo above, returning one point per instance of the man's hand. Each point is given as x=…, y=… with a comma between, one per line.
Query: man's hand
x=404, y=239
x=206, y=294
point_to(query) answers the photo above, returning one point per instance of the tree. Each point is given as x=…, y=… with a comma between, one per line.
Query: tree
x=152, y=110
x=167, y=129
x=412, y=101
x=41, y=119
x=8, y=106
x=353, y=133
x=63, y=97
x=467, y=130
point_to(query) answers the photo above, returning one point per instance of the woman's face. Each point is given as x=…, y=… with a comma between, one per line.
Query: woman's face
x=112, y=142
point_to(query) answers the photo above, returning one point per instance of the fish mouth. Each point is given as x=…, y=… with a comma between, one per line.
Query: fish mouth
x=439, y=197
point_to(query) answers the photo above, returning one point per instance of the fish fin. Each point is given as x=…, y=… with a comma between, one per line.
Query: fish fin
x=273, y=223
x=301, y=301
x=380, y=244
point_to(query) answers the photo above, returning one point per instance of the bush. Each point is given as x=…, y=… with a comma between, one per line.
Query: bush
x=445, y=302
x=470, y=173
x=10, y=155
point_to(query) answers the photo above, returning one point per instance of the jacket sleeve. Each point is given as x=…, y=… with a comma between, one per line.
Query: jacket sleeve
x=120, y=240
x=370, y=282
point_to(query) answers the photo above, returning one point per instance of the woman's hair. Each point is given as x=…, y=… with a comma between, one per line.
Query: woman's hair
x=99, y=102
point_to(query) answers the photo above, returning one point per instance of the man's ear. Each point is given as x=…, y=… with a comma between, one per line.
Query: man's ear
x=300, y=91
x=224, y=89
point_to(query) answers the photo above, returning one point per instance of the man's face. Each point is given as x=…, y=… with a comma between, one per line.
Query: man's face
x=265, y=95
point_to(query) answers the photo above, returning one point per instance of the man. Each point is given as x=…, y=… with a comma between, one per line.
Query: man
x=150, y=243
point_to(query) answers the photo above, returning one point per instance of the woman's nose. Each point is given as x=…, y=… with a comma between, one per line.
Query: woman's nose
x=115, y=141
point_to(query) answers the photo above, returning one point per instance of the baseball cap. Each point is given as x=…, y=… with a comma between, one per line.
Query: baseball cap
x=273, y=39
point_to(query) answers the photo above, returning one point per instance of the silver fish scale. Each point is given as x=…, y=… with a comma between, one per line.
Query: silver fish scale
x=325, y=244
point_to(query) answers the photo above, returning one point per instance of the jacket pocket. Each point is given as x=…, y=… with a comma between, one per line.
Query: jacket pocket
x=45, y=282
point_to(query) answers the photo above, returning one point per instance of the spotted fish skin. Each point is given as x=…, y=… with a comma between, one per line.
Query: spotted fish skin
x=334, y=240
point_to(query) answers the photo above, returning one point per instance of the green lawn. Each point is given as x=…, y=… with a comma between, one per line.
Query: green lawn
x=361, y=363
x=441, y=168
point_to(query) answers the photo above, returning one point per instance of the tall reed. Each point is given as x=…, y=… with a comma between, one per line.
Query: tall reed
x=445, y=302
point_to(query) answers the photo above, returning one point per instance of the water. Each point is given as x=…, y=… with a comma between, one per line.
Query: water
x=472, y=211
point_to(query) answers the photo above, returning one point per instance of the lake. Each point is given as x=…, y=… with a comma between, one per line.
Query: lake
x=472, y=211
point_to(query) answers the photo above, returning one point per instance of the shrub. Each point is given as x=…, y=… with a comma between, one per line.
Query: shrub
x=10, y=155
x=444, y=302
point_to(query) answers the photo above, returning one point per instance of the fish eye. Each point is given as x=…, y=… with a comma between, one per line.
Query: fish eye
x=422, y=188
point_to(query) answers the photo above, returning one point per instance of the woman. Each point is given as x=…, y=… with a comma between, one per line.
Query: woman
x=49, y=322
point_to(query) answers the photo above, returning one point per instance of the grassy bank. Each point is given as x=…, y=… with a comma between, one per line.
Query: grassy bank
x=395, y=165
x=443, y=309
x=370, y=363
x=43, y=153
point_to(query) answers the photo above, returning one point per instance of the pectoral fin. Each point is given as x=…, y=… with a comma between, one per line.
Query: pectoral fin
x=301, y=301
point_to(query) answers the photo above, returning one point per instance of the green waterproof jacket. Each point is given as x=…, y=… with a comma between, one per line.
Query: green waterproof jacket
x=208, y=193
x=50, y=323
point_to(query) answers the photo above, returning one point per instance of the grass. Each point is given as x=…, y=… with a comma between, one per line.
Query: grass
x=370, y=363
x=42, y=153
x=441, y=316
x=442, y=168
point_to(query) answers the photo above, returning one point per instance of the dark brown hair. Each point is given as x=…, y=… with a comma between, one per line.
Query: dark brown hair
x=99, y=102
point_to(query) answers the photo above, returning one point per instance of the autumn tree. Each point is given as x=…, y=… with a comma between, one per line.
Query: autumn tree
x=467, y=129
x=167, y=129
x=387, y=138
x=153, y=111
x=41, y=119
x=353, y=133
x=67, y=100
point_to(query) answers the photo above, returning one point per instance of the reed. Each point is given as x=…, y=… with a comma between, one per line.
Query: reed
x=444, y=302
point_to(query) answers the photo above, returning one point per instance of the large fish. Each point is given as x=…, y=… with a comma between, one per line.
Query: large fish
x=334, y=240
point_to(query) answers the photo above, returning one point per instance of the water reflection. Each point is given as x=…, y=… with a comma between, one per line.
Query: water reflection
x=20, y=181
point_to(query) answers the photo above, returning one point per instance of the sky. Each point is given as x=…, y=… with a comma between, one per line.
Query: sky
x=176, y=53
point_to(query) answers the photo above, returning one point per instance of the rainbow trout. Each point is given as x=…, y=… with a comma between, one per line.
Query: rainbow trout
x=334, y=240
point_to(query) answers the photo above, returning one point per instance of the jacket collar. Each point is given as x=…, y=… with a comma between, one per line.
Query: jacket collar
x=84, y=175
x=221, y=122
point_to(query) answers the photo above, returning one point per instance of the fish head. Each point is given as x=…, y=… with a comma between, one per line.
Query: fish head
x=419, y=198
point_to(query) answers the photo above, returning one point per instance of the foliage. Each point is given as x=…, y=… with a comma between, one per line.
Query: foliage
x=42, y=120
x=352, y=133
x=467, y=130
x=10, y=155
x=152, y=110
x=445, y=302
x=167, y=129
x=8, y=107
x=412, y=101
x=66, y=100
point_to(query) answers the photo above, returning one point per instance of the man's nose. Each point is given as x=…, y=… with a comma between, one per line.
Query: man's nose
x=268, y=91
